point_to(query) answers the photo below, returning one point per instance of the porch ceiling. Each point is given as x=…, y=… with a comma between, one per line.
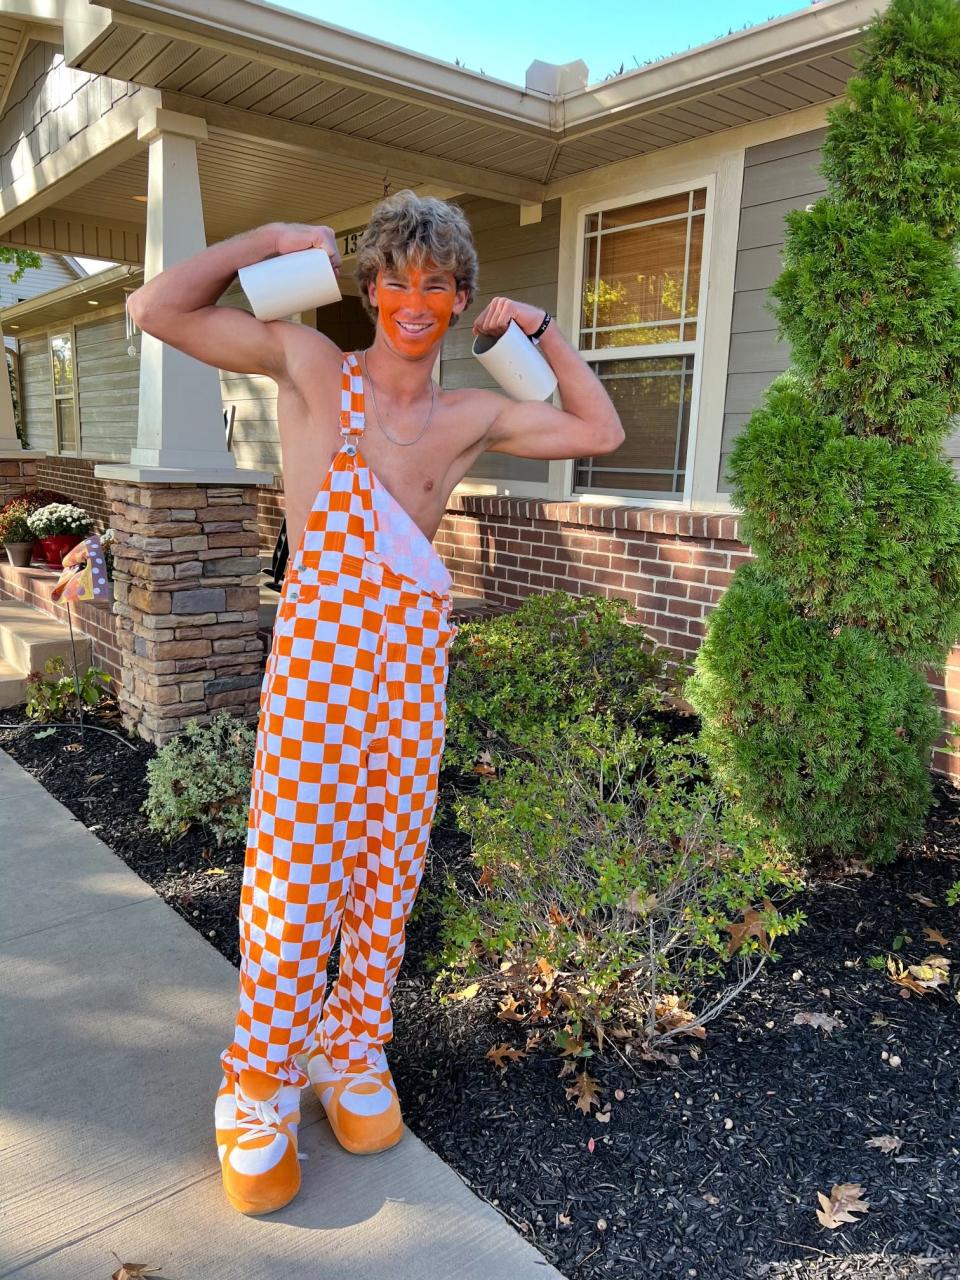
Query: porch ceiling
x=243, y=184
x=236, y=60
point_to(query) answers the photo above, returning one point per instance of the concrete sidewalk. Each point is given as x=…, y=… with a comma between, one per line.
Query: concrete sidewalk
x=113, y=1012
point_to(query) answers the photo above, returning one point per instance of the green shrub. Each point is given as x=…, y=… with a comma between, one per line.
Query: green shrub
x=811, y=683
x=860, y=532
x=604, y=877
x=819, y=733
x=555, y=659
x=203, y=776
x=55, y=693
x=872, y=313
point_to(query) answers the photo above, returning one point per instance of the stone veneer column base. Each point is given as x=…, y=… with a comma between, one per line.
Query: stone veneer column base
x=186, y=574
x=18, y=473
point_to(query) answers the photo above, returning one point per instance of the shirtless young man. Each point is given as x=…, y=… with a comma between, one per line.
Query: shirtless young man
x=351, y=728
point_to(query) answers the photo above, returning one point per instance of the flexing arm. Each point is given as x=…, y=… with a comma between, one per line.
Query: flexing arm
x=179, y=305
x=587, y=424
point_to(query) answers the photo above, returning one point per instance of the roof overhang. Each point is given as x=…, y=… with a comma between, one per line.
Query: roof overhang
x=104, y=289
x=265, y=61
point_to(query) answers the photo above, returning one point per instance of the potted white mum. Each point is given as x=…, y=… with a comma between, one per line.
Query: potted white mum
x=59, y=526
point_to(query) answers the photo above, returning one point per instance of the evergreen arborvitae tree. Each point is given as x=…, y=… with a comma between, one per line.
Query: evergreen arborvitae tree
x=816, y=713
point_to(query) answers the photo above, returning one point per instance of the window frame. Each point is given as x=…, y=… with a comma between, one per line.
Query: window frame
x=59, y=331
x=696, y=348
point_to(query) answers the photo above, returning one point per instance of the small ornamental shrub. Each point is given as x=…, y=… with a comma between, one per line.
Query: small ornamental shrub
x=817, y=732
x=553, y=660
x=202, y=776
x=606, y=885
x=56, y=693
x=60, y=518
x=13, y=523
x=811, y=681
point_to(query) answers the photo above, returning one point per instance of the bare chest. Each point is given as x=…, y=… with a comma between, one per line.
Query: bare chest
x=420, y=476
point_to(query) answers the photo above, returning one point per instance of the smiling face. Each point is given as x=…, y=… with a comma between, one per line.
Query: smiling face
x=416, y=304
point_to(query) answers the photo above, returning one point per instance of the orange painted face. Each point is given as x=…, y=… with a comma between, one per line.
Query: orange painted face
x=416, y=305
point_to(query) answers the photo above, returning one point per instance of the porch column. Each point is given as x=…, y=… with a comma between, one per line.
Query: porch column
x=18, y=466
x=186, y=566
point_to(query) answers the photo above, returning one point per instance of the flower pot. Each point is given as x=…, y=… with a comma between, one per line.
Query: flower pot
x=56, y=545
x=19, y=553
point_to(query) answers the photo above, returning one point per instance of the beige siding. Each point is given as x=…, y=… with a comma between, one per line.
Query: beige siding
x=109, y=379
x=517, y=262
x=35, y=280
x=49, y=104
x=778, y=176
x=37, y=392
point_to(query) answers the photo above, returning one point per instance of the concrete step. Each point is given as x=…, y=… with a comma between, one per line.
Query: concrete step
x=28, y=638
x=13, y=685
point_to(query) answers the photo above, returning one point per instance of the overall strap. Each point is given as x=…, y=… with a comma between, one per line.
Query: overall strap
x=352, y=421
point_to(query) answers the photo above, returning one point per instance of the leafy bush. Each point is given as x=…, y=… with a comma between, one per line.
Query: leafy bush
x=818, y=732
x=202, y=776
x=553, y=660
x=59, y=518
x=56, y=694
x=608, y=885
x=811, y=684
x=820, y=506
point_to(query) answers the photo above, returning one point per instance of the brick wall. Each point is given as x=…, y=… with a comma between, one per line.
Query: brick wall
x=671, y=566
x=75, y=478
x=270, y=513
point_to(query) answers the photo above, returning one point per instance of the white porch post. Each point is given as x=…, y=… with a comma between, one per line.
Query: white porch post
x=180, y=434
x=10, y=446
x=18, y=466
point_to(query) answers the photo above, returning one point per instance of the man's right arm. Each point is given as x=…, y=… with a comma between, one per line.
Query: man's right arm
x=179, y=305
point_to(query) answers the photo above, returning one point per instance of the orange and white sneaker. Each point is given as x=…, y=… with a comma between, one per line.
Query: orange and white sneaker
x=361, y=1103
x=256, y=1121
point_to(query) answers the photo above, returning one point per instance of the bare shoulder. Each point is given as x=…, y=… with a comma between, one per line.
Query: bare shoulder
x=477, y=409
x=311, y=359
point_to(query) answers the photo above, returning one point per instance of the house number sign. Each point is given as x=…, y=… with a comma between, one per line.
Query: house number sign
x=349, y=240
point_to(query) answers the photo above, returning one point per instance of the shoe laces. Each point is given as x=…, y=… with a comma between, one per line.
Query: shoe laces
x=257, y=1119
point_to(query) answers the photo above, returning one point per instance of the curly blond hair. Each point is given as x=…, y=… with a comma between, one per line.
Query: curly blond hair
x=407, y=228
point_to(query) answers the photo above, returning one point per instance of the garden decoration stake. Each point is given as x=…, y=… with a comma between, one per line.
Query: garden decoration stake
x=817, y=715
x=84, y=577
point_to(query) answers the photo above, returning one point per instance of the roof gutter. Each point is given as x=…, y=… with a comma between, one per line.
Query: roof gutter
x=284, y=38
x=821, y=29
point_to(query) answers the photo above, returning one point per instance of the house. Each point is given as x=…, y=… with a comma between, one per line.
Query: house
x=645, y=211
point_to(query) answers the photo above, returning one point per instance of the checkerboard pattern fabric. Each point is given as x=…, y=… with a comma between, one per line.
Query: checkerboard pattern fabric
x=344, y=790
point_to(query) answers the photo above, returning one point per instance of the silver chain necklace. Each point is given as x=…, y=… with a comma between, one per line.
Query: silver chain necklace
x=373, y=390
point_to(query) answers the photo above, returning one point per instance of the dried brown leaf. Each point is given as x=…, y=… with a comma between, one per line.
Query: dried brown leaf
x=585, y=1090
x=934, y=935
x=887, y=1143
x=922, y=899
x=133, y=1270
x=508, y=1011
x=822, y=1021
x=845, y=1200
x=500, y=1054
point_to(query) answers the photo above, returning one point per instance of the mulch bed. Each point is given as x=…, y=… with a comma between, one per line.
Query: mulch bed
x=710, y=1169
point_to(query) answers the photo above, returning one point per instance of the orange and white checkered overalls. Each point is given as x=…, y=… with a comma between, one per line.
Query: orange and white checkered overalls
x=351, y=733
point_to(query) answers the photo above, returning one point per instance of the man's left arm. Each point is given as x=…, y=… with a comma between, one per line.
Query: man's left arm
x=588, y=423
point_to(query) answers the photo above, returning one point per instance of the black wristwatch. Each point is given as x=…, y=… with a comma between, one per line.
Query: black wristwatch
x=535, y=337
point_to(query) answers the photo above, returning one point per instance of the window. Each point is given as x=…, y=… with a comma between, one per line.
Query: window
x=64, y=392
x=639, y=325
